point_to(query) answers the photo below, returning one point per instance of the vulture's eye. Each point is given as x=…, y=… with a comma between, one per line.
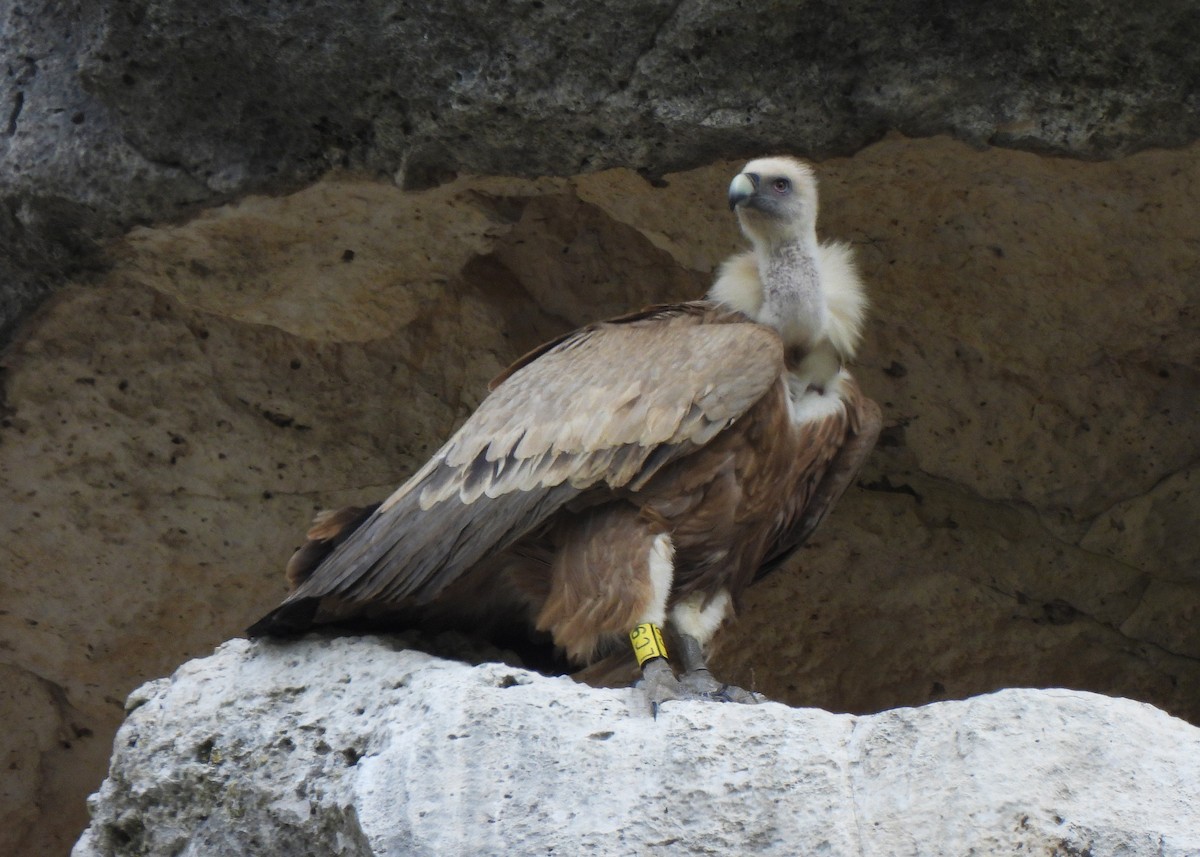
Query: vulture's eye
x=782, y=185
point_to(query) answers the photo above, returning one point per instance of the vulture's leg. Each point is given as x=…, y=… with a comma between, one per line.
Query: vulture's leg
x=658, y=679
x=696, y=619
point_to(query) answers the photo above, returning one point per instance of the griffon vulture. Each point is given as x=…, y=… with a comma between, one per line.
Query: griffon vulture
x=636, y=473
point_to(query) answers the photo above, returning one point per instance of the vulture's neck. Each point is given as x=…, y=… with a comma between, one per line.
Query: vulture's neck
x=793, y=301
x=807, y=291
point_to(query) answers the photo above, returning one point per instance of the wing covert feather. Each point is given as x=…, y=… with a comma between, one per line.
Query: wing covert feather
x=611, y=391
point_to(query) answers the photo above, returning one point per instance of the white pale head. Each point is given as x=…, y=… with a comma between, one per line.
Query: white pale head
x=807, y=290
x=775, y=200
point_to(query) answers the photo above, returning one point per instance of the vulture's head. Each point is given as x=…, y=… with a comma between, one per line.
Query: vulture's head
x=775, y=200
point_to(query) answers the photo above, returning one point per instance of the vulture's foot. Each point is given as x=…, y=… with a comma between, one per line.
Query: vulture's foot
x=699, y=681
x=661, y=686
x=658, y=679
x=700, y=684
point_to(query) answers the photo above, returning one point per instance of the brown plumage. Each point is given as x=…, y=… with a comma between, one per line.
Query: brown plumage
x=643, y=469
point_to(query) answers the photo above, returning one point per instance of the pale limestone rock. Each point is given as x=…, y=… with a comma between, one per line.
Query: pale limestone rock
x=354, y=747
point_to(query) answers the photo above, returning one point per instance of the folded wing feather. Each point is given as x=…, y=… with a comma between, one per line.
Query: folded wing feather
x=608, y=405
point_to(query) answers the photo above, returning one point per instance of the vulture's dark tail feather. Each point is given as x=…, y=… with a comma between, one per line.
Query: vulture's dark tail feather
x=286, y=620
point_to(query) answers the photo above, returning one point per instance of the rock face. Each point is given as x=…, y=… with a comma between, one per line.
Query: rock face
x=353, y=747
x=1026, y=521
x=115, y=114
x=243, y=316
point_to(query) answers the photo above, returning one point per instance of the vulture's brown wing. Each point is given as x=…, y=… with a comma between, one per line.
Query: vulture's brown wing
x=608, y=404
x=844, y=444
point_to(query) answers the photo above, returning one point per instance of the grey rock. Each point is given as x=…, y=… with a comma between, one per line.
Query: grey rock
x=354, y=747
x=69, y=180
x=536, y=87
x=116, y=114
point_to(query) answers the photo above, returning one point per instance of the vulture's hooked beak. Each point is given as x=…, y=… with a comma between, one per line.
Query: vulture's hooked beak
x=742, y=188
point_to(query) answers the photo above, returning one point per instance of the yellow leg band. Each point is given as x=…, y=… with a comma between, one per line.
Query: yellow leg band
x=647, y=640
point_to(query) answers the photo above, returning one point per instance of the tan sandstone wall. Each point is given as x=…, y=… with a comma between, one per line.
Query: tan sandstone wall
x=167, y=428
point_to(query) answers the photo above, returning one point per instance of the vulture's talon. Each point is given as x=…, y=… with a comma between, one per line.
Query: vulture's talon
x=733, y=693
x=660, y=685
x=702, y=685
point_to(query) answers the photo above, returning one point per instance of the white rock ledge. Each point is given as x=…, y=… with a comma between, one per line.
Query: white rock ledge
x=350, y=746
